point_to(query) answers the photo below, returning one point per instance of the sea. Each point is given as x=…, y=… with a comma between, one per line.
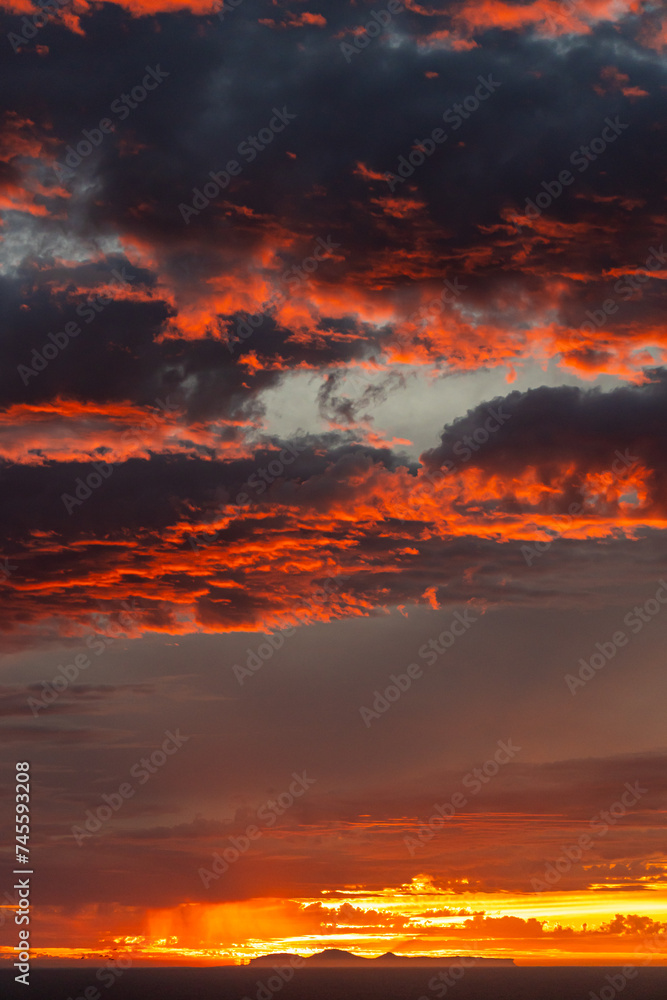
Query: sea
x=246, y=983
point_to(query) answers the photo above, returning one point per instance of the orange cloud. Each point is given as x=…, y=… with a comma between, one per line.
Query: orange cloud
x=417, y=918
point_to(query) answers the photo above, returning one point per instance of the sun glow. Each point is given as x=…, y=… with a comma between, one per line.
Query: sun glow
x=417, y=918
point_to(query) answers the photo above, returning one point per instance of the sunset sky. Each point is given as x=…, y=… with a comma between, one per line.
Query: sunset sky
x=333, y=476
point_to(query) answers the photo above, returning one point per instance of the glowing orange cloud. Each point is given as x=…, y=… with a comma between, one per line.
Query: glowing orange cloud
x=191, y=574
x=417, y=918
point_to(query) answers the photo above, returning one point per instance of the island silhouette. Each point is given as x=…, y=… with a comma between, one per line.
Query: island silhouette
x=336, y=958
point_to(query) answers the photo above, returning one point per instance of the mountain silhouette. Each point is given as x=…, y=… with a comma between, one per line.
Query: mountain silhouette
x=337, y=958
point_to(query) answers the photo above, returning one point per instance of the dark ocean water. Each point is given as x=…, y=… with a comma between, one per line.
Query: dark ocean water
x=338, y=984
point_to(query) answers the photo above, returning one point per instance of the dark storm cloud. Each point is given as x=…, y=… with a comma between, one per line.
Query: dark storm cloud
x=157, y=517
x=552, y=98
x=113, y=356
x=584, y=430
x=148, y=495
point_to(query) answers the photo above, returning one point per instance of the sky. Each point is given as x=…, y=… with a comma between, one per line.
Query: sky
x=333, y=477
